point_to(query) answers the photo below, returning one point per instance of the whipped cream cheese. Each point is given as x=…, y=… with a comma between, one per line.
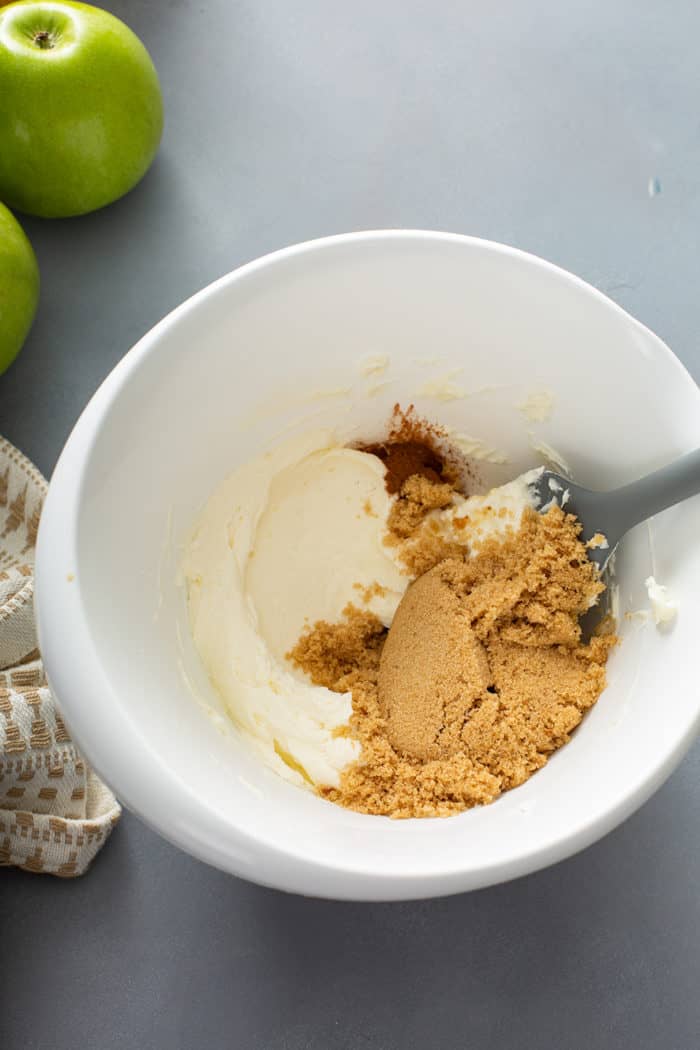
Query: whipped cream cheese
x=472, y=520
x=288, y=539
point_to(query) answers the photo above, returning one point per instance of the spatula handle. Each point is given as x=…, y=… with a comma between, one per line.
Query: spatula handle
x=655, y=492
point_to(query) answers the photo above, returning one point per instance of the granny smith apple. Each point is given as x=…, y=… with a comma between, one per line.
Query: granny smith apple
x=19, y=287
x=81, y=112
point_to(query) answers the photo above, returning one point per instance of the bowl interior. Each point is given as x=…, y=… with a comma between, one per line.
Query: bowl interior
x=298, y=341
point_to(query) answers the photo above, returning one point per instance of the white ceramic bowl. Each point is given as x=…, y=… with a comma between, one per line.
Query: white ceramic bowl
x=277, y=345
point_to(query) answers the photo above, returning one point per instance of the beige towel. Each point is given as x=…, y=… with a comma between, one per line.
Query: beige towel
x=55, y=814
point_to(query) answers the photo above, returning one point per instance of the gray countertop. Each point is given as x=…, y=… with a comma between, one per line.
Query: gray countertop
x=571, y=130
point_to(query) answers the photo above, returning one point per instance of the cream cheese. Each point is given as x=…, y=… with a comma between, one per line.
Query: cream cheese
x=663, y=608
x=473, y=519
x=286, y=540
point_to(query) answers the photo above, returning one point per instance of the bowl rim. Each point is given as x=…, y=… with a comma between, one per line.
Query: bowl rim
x=143, y=781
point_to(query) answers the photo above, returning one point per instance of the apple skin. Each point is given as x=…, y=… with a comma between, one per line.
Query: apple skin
x=81, y=114
x=19, y=287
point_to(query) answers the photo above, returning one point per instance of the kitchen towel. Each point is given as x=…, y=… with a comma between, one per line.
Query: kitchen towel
x=55, y=815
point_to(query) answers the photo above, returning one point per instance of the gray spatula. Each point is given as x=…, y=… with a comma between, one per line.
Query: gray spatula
x=614, y=513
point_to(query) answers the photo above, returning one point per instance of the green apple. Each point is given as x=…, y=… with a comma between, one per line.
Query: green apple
x=81, y=112
x=19, y=287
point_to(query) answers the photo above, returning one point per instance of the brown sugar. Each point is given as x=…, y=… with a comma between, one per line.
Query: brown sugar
x=519, y=684
x=418, y=495
x=432, y=670
x=420, y=545
x=374, y=590
x=330, y=653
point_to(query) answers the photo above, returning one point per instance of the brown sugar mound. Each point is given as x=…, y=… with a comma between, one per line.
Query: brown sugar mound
x=432, y=670
x=519, y=601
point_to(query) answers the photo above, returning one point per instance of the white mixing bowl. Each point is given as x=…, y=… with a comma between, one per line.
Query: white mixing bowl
x=283, y=344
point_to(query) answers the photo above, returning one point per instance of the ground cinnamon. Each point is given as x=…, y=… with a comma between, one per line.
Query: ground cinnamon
x=405, y=459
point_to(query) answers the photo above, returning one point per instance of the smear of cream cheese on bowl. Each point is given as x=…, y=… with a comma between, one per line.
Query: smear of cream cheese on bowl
x=664, y=609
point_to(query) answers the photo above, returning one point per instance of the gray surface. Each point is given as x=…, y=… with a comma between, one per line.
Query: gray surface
x=535, y=123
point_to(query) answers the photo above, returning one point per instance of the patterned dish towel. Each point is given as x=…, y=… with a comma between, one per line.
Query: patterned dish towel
x=55, y=814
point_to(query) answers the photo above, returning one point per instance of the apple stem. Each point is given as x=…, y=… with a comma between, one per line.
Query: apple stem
x=43, y=39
